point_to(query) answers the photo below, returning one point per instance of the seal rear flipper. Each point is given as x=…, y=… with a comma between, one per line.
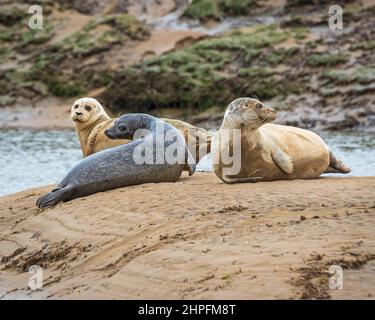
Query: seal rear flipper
x=190, y=162
x=336, y=165
x=230, y=180
x=192, y=168
x=52, y=198
x=282, y=160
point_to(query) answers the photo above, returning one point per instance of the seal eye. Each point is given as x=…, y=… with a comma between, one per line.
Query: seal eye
x=259, y=106
x=76, y=106
x=122, y=128
x=87, y=108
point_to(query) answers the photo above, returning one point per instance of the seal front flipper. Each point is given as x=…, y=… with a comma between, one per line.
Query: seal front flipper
x=230, y=180
x=52, y=198
x=282, y=160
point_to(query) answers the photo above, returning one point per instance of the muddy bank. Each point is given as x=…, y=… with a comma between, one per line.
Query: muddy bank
x=196, y=238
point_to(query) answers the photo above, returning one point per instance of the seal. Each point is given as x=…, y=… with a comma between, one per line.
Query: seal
x=270, y=151
x=91, y=121
x=117, y=167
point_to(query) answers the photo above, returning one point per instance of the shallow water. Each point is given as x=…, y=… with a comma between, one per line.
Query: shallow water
x=175, y=21
x=30, y=158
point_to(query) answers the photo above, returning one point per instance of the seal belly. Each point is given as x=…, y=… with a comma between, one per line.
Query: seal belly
x=307, y=151
x=256, y=161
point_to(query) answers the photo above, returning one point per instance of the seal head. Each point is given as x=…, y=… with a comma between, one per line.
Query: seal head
x=86, y=111
x=126, y=126
x=248, y=112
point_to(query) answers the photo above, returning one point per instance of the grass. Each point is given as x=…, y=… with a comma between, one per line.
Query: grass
x=35, y=37
x=319, y=60
x=127, y=25
x=365, y=45
x=206, y=74
x=203, y=10
x=278, y=56
x=361, y=75
x=217, y=9
x=57, y=66
x=255, y=72
x=6, y=100
x=12, y=14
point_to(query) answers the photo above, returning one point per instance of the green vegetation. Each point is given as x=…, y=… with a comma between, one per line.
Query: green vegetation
x=365, y=45
x=216, y=9
x=361, y=75
x=278, y=56
x=255, y=72
x=300, y=33
x=202, y=10
x=208, y=73
x=127, y=25
x=318, y=60
x=301, y=2
x=269, y=61
x=35, y=37
x=11, y=14
x=6, y=101
x=58, y=66
x=101, y=34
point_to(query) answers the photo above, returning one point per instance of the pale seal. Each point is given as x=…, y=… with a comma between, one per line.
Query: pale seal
x=91, y=121
x=116, y=167
x=270, y=151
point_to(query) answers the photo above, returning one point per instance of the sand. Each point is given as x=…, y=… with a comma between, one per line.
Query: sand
x=197, y=238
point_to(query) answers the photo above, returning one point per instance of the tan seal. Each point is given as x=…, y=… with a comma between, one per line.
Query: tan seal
x=269, y=151
x=91, y=121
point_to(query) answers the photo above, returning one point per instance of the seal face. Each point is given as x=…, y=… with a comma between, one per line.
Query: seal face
x=270, y=151
x=116, y=167
x=164, y=135
x=91, y=121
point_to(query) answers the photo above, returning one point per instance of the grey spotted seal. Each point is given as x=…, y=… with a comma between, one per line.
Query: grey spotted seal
x=117, y=167
x=270, y=151
x=91, y=122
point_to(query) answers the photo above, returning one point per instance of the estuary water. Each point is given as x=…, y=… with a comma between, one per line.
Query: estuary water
x=30, y=158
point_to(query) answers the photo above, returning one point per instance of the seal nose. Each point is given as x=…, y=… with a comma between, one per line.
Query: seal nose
x=272, y=113
x=109, y=134
x=78, y=113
